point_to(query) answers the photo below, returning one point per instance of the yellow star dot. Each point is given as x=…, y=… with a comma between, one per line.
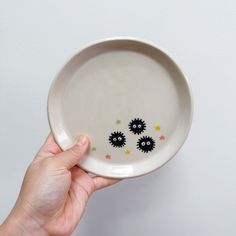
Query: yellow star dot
x=127, y=151
x=157, y=127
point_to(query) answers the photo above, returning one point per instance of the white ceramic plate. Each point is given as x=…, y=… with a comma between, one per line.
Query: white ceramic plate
x=130, y=98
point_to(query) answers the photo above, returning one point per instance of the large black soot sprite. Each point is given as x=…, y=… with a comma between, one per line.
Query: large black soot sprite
x=117, y=139
x=146, y=144
x=137, y=126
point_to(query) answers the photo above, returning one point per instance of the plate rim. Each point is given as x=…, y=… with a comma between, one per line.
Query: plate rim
x=137, y=40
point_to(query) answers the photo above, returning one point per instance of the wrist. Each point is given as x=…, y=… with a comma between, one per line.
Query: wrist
x=21, y=224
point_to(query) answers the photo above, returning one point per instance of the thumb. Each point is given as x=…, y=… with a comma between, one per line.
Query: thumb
x=72, y=156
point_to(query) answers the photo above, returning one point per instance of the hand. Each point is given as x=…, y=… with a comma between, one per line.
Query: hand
x=54, y=192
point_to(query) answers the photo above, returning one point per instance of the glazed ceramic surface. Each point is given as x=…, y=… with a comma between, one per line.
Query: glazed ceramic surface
x=130, y=98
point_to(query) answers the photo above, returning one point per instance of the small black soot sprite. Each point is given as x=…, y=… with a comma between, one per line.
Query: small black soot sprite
x=137, y=126
x=146, y=144
x=117, y=139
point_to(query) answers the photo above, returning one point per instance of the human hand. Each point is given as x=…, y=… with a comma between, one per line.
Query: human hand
x=54, y=192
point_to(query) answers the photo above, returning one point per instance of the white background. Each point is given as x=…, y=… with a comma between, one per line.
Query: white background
x=195, y=193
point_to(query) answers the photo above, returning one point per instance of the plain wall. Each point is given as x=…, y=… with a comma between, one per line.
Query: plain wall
x=195, y=193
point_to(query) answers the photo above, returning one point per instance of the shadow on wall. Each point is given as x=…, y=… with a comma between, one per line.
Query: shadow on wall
x=109, y=210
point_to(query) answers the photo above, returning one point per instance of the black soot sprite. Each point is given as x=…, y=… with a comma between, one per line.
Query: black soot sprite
x=146, y=144
x=137, y=126
x=117, y=139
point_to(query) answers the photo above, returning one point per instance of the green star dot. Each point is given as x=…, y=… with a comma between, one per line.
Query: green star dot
x=118, y=122
x=93, y=149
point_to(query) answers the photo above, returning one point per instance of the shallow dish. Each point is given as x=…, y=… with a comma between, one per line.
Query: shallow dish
x=130, y=98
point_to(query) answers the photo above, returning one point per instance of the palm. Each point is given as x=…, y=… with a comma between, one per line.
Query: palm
x=81, y=187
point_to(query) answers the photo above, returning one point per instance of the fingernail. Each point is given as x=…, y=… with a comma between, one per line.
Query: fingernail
x=82, y=140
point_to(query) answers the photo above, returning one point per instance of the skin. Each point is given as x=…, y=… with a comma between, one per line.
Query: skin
x=54, y=192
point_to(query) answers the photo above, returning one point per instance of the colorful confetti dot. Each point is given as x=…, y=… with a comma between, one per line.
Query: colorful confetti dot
x=162, y=137
x=157, y=127
x=127, y=151
x=118, y=122
x=107, y=157
x=93, y=149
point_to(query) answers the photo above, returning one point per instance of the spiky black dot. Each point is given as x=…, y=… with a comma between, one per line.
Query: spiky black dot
x=137, y=126
x=146, y=144
x=117, y=139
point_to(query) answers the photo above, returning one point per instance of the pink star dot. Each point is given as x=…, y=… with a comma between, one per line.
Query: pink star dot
x=162, y=137
x=107, y=157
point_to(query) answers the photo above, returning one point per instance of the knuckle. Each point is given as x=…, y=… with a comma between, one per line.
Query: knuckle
x=48, y=163
x=51, y=147
x=90, y=189
x=76, y=150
